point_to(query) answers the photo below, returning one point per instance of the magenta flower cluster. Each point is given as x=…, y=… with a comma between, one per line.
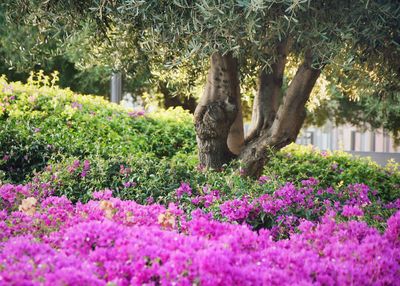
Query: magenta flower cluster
x=136, y=113
x=236, y=210
x=108, y=241
x=206, y=198
x=184, y=188
x=306, y=201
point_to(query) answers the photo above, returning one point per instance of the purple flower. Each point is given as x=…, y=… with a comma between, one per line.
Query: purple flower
x=238, y=209
x=86, y=168
x=76, y=105
x=129, y=184
x=393, y=205
x=393, y=229
x=324, y=153
x=263, y=179
x=75, y=165
x=102, y=195
x=7, y=193
x=196, y=200
x=150, y=200
x=310, y=182
x=124, y=171
x=183, y=189
x=124, y=243
x=134, y=114
x=349, y=211
x=305, y=226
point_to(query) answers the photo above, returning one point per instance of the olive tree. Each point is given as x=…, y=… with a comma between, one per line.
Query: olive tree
x=341, y=39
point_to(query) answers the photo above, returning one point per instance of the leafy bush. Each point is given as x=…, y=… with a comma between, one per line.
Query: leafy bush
x=75, y=145
x=48, y=126
x=159, y=178
x=296, y=163
x=40, y=122
x=135, y=177
x=266, y=203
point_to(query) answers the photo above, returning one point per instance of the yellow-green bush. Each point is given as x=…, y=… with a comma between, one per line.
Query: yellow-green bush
x=39, y=121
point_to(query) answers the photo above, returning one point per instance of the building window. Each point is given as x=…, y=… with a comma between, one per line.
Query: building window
x=373, y=142
x=306, y=138
x=353, y=141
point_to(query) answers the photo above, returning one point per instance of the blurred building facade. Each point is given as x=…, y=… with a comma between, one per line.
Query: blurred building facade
x=347, y=138
x=377, y=144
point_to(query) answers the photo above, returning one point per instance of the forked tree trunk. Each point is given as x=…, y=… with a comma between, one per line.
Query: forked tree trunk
x=274, y=125
x=287, y=122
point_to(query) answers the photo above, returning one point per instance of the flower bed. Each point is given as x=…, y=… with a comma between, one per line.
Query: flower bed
x=51, y=241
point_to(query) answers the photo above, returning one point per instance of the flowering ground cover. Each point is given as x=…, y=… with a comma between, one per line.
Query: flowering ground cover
x=108, y=241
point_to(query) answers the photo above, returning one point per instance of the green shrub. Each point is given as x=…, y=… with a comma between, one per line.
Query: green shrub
x=146, y=178
x=76, y=145
x=134, y=177
x=159, y=178
x=295, y=163
x=41, y=122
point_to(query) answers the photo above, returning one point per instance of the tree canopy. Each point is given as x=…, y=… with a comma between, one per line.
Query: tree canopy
x=356, y=42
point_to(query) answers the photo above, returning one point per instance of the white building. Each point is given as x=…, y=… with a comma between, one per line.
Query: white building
x=377, y=144
x=347, y=138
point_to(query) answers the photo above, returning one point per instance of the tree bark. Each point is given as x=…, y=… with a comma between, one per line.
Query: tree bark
x=287, y=122
x=216, y=116
x=236, y=132
x=219, y=112
x=266, y=101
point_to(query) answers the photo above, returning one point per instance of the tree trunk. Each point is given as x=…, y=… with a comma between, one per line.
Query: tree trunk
x=218, y=119
x=236, y=132
x=287, y=122
x=266, y=102
x=216, y=116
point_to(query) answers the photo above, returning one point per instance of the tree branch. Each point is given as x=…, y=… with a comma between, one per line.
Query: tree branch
x=266, y=102
x=288, y=120
x=291, y=113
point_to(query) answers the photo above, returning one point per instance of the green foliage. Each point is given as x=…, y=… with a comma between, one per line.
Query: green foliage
x=76, y=145
x=40, y=122
x=382, y=110
x=183, y=29
x=295, y=163
x=148, y=176
x=357, y=43
x=24, y=48
x=356, y=94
